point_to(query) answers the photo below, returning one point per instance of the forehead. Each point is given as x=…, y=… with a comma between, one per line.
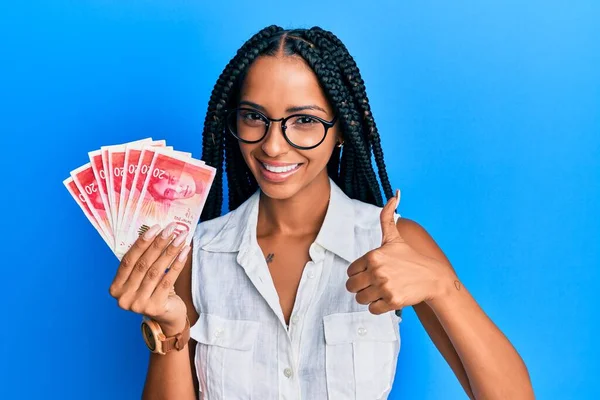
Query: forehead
x=278, y=82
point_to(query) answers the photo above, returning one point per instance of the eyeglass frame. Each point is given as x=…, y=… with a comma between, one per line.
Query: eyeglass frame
x=326, y=124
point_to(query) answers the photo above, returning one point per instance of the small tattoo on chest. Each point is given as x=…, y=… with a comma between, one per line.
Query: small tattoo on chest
x=269, y=257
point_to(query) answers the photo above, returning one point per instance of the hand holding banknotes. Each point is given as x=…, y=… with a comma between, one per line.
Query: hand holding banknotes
x=141, y=285
x=145, y=201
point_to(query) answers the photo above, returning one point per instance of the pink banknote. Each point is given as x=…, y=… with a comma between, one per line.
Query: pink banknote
x=104, y=152
x=115, y=164
x=100, y=174
x=174, y=189
x=81, y=202
x=88, y=186
x=133, y=195
x=132, y=158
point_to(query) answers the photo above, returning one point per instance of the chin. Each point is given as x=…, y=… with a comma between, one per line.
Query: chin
x=278, y=191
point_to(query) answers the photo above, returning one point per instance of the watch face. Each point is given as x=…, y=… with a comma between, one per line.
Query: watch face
x=148, y=337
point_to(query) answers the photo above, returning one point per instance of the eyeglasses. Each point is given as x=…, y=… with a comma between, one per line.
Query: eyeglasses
x=302, y=131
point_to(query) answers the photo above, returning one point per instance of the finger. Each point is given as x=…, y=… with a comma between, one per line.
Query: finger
x=165, y=286
x=389, y=232
x=379, y=307
x=131, y=257
x=368, y=295
x=158, y=269
x=357, y=266
x=147, y=259
x=358, y=282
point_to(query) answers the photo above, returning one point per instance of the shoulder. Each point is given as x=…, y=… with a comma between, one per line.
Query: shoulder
x=419, y=239
x=366, y=215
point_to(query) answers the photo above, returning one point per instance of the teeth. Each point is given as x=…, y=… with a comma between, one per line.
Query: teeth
x=280, y=170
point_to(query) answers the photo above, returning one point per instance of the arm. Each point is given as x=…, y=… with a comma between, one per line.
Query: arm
x=141, y=285
x=173, y=375
x=481, y=357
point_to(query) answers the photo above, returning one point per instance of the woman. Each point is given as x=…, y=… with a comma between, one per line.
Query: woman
x=294, y=293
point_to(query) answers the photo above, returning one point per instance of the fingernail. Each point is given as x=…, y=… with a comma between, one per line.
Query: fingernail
x=179, y=239
x=150, y=233
x=168, y=231
x=184, y=253
x=397, y=197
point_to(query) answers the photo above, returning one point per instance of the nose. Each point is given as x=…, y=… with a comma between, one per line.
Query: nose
x=274, y=144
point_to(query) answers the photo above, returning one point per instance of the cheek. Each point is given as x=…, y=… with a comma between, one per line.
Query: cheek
x=159, y=186
x=320, y=156
x=246, y=150
x=188, y=182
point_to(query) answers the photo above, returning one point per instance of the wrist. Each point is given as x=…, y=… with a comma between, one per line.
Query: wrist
x=172, y=328
x=162, y=339
x=446, y=284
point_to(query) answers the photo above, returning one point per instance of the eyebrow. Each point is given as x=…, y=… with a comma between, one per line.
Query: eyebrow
x=313, y=107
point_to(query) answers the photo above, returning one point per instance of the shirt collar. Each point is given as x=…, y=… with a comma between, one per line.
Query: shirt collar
x=336, y=233
x=237, y=229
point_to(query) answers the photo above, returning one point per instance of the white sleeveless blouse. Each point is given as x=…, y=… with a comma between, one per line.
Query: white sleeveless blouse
x=334, y=347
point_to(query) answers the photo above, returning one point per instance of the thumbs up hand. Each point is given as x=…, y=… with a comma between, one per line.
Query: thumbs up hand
x=395, y=275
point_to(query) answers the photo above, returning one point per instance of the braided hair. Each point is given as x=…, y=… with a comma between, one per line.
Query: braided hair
x=351, y=168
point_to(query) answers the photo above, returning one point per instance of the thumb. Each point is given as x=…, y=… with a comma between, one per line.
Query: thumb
x=389, y=232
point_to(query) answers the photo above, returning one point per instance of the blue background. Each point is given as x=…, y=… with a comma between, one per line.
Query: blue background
x=489, y=114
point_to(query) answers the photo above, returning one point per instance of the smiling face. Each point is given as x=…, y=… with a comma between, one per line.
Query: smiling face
x=279, y=86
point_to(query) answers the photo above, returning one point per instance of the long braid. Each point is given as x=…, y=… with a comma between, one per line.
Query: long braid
x=329, y=77
x=363, y=151
x=351, y=74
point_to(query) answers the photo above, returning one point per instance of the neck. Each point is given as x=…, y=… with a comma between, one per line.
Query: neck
x=301, y=214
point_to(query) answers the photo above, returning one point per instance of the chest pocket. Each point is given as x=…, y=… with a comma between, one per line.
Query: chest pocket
x=360, y=355
x=224, y=355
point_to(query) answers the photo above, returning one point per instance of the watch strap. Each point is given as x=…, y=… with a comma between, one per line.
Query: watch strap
x=177, y=341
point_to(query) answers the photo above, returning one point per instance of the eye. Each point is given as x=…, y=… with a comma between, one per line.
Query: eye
x=251, y=116
x=305, y=120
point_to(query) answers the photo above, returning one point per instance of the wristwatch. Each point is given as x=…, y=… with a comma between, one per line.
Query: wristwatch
x=156, y=340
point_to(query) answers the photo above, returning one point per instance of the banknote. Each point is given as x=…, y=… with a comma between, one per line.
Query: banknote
x=115, y=164
x=126, y=188
x=130, y=165
x=132, y=194
x=88, y=186
x=80, y=200
x=172, y=189
x=104, y=152
x=100, y=175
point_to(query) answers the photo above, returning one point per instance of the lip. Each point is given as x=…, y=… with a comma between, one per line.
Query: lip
x=274, y=176
x=276, y=163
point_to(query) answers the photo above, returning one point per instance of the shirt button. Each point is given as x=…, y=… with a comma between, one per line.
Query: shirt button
x=287, y=372
x=219, y=333
x=295, y=319
x=311, y=274
x=362, y=331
